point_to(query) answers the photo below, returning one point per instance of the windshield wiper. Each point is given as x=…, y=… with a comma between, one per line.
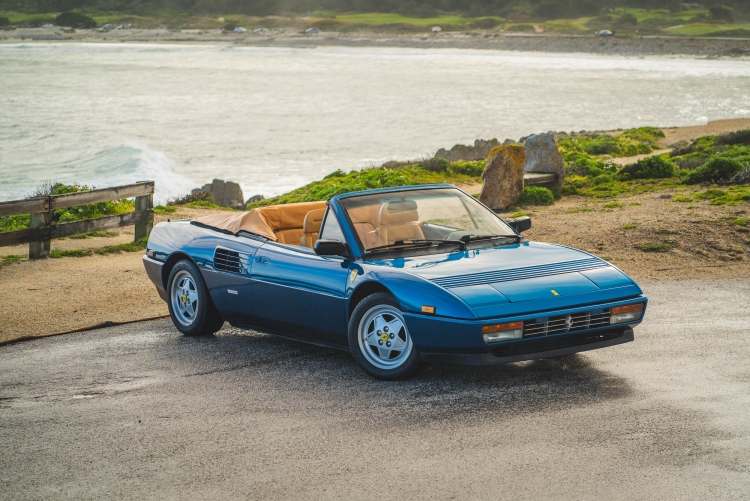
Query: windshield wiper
x=476, y=238
x=417, y=243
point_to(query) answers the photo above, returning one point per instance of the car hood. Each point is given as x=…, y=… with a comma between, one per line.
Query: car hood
x=487, y=280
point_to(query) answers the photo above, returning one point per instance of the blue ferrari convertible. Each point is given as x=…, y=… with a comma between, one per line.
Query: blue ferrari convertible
x=400, y=277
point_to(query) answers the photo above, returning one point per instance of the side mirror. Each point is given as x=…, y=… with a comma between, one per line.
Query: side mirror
x=520, y=224
x=332, y=248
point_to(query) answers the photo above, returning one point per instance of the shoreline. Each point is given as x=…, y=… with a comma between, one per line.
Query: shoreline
x=697, y=47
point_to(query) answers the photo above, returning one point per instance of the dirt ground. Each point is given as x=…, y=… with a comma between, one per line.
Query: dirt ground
x=55, y=295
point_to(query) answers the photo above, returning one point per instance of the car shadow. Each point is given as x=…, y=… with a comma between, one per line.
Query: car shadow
x=440, y=391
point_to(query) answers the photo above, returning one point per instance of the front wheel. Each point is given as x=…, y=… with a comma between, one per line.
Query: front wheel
x=379, y=339
x=190, y=305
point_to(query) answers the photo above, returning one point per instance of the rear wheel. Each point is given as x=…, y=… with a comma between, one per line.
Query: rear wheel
x=379, y=339
x=190, y=305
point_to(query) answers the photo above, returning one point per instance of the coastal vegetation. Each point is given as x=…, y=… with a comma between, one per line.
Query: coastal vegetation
x=665, y=17
x=590, y=170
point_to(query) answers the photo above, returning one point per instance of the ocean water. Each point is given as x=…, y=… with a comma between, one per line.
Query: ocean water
x=274, y=119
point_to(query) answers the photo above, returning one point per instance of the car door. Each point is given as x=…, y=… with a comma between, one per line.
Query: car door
x=301, y=294
x=228, y=275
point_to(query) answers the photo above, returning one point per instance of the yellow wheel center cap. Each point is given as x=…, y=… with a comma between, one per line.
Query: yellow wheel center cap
x=184, y=299
x=384, y=337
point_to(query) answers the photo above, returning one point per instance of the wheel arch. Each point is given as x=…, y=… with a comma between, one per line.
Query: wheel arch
x=171, y=261
x=362, y=291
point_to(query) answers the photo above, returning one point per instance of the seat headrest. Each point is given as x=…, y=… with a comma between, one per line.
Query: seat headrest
x=313, y=220
x=397, y=216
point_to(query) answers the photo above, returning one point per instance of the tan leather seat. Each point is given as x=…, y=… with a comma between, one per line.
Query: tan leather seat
x=398, y=225
x=364, y=220
x=311, y=227
x=289, y=236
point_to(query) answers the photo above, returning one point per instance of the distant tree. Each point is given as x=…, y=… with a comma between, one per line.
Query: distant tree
x=720, y=13
x=4, y=21
x=75, y=20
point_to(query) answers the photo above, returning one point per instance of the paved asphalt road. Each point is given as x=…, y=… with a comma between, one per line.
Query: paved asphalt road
x=140, y=412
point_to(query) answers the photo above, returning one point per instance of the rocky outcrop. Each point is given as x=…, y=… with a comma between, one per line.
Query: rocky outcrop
x=503, y=177
x=479, y=151
x=542, y=156
x=225, y=193
x=254, y=198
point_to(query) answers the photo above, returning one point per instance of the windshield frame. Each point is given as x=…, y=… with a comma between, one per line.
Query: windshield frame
x=361, y=251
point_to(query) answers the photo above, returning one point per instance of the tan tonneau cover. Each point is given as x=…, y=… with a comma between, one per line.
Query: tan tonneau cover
x=264, y=221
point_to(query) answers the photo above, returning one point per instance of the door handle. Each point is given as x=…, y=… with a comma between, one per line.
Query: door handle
x=263, y=260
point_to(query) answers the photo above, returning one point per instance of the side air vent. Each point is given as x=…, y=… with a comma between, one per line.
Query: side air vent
x=231, y=261
x=520, y=273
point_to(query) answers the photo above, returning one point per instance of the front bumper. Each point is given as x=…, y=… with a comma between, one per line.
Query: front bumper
x=535, y=348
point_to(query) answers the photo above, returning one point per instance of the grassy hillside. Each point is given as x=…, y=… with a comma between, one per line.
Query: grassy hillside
x=623, y=21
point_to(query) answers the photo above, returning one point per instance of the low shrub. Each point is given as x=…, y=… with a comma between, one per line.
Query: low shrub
x=536, y=195
x=654, y=167
x=731, y=138
x=4, y=21
x=75, y=20
x=714, y=170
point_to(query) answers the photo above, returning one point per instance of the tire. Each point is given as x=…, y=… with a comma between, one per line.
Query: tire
x=376, y=330
x=190, y=305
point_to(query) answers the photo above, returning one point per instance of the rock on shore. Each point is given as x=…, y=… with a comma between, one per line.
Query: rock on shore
x=503, y=177
x=226, y=193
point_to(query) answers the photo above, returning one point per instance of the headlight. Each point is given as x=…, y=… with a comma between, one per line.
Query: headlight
x=502, y=332
x=627, y=313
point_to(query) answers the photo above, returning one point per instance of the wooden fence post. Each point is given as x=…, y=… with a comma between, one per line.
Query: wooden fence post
x=40, y=249
x=144, y=229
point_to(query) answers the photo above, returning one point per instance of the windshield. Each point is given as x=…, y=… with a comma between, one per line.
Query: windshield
x=426, y=215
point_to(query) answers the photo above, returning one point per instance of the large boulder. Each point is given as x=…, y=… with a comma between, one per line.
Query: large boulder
x=542, y=156
x=479, y=151
x=226, y=193
x=503, y=177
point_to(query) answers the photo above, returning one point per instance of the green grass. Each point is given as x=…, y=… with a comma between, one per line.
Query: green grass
x=10, y=259
x=204, y=204
x=520, y=214
x=582, y=209
x=613, y=205
x=375, y=19
x=655, y=247
x=165, y=209
x=92, y=234
x=111, y=249
x=701, y=29
x=630, y=226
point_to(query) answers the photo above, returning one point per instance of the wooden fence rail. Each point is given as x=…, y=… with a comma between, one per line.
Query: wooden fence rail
x=41, y=231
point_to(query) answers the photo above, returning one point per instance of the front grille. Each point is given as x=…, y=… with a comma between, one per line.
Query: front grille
x=566, y=323
x=231, y=261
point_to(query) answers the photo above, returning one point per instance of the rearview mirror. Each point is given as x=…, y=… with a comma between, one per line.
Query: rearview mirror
x=520, y=224
x=332, y=248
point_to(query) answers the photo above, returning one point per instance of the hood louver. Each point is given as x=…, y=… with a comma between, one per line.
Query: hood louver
x=543, y=270
x=231, y=261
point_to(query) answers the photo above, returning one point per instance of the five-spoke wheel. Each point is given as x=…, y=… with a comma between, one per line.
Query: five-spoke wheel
x=379, y=339
x=184, y=298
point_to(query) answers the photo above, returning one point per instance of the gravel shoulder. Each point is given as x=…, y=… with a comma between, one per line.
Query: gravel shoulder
x=141, y=412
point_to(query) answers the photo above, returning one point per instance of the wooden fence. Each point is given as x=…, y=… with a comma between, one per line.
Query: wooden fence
x=41, y=231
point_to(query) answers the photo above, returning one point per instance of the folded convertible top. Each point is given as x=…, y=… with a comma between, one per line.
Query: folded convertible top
x=263, y=221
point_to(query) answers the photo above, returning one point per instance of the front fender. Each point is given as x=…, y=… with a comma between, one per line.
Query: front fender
x=412, y=292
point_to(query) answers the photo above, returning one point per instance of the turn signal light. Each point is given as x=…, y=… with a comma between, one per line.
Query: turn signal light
x=627, y=313
x=428, y=309
x=502, y=332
